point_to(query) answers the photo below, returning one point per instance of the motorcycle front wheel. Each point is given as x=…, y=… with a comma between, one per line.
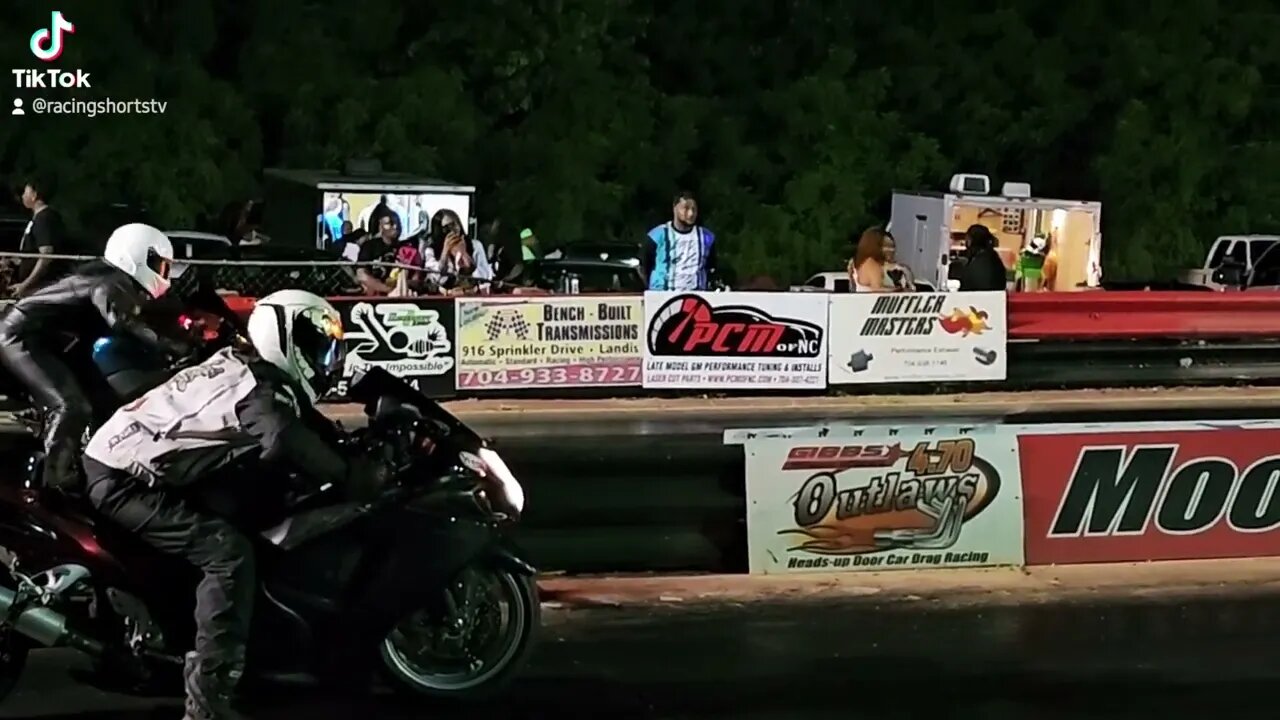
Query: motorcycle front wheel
x=472, y=649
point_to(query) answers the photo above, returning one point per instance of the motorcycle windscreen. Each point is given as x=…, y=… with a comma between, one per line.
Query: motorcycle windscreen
x=371, y=384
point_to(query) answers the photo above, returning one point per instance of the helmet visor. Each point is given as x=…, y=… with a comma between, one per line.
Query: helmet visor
x=158, y=264
x=320, y=344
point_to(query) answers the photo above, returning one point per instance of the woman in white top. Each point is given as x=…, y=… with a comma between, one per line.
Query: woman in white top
x=866, y=269
x=447, y=250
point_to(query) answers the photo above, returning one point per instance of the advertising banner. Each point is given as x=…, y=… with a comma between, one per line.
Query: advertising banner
x=735, y=340
x=411, y=339
x=918, y=337
x=911, y=499
x=1181, y=493
x=521, y=343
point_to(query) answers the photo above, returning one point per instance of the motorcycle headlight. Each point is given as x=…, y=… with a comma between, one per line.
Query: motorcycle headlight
x=512, y=492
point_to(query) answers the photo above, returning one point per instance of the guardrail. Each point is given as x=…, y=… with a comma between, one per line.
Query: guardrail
x=1144, y=315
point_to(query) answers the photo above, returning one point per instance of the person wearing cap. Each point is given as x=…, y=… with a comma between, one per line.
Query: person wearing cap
x=528, y=245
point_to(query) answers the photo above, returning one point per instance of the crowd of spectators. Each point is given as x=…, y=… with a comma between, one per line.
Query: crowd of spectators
x=439, y=259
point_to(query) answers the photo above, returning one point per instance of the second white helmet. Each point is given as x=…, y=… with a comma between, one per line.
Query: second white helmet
x=301, y=334
x=142, y=252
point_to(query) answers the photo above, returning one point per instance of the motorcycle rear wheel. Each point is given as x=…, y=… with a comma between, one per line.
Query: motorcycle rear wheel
x=420, y=652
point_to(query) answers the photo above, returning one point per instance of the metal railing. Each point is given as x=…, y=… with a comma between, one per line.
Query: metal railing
x=256, y=278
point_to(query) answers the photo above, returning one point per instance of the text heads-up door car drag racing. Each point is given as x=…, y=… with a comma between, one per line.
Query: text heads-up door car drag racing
x=420, y=583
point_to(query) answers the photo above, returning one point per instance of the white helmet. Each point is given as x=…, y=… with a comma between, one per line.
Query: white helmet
x=300, y=333
x=144, y=253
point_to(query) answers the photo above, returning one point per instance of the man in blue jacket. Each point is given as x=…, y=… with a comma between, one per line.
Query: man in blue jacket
x=681, y=255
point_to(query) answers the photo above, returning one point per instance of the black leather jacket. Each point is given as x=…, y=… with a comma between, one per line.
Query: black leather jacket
x=94, y=299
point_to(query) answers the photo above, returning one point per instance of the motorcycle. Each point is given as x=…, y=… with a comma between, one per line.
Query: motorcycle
x=422, y=583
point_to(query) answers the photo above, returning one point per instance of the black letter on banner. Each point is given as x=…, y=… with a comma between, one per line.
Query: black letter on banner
x=1197, y=496
x=1099, y=490
x=1262, y=482
x=813, y=502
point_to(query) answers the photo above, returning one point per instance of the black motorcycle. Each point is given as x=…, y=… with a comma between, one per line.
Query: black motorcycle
x=421, y=583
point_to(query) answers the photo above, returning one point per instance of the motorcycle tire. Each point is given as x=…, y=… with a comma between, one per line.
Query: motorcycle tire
x=522, y=595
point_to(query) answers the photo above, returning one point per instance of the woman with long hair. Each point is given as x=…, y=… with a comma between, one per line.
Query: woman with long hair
x=452, y=253
x=900, y=276
x=866, y=269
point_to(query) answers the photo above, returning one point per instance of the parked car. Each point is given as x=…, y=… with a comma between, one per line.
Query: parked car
x=597, y=267
x=838, y=282
x=241, y=276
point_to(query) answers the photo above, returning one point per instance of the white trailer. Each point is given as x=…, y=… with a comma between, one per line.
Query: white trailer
x=929, y=229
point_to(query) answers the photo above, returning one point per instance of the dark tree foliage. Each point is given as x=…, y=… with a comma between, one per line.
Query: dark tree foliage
x=792, y=119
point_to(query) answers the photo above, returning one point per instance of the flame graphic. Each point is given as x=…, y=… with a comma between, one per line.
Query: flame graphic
x=959, y=321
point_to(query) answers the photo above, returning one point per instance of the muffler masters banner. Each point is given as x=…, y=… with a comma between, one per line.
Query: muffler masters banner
x=906, y=498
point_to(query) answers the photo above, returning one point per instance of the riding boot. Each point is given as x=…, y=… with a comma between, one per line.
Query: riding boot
x=209, y=693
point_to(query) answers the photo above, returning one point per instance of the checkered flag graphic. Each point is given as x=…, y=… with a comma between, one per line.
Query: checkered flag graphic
x=507, y=321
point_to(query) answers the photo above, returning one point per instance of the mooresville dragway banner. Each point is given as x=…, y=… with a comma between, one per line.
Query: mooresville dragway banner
x=918, y=337
x=1151, y=491
x=735, y=340
x=520, y=343
x=878, y=498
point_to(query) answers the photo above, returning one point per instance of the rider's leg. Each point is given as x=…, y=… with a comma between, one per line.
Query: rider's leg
x=68, y=412
x=224, y=598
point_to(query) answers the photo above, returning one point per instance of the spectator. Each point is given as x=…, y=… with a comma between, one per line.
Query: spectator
x=984, y=270
x=680, y=255
x=497, y=249
x=867, y=268
x=452, y=254
x=371, y=217
x=381, y=248
x=421, y=218
x=46, y=235
x=239, y=221
x=1030, y=268
x=528, y=245
x=331, y=220
x=406, y=282
x=900, y=276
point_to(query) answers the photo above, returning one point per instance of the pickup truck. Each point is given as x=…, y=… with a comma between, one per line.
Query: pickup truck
x=1243, y=251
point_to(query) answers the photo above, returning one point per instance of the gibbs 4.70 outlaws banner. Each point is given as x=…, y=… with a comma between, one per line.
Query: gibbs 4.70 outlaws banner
x=735, y=340
x=549, y=342
x=918, y=337
x=1182, y=492
x=907, y=498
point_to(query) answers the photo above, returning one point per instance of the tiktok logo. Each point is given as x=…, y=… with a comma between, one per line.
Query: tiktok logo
x=46, y=43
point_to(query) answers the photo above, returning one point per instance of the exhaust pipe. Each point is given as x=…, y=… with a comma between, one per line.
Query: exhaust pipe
x=47, y=627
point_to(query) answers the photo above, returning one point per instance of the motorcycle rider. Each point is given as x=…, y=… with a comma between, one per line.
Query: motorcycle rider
x=237, y=402
x=34, y=332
